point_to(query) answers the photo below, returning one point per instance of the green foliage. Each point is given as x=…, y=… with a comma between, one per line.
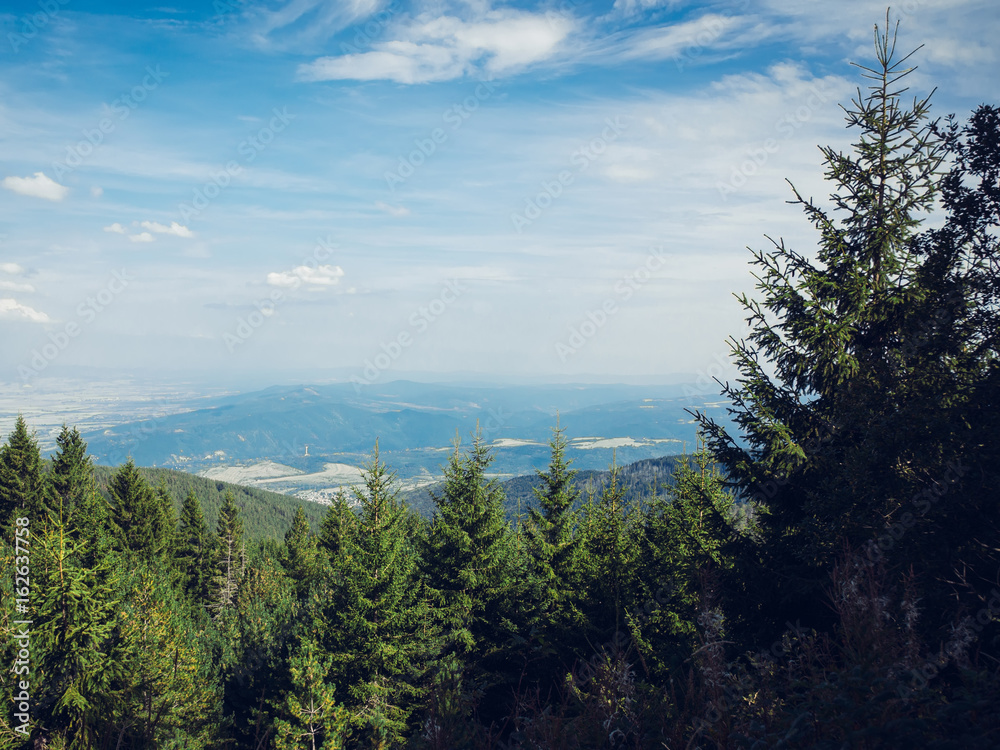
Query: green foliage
x=72, y=470
x=684, y=535
x=266, y=515
x=609, y=540
x=314, y=719
x=254, y=637
x=553, y=546
x=165, y=693
x=76, y=607
x=372, y=615
x=229, y=557
x=301, y=548
x=138, y=525
x=467, y=561
x=194, y=550
x=23, y=488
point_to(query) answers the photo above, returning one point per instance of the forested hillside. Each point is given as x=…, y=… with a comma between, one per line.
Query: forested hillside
x=638, y=480
x=266, y=515
x=824, y=573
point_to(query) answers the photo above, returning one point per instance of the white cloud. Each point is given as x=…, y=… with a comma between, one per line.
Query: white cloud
x=11, y=309
x=317, y=277
x=13, y=286
x=141, y=237
x=11, y=268
x=392, y=210
x=446, y=47
x=116, y=228
x=174, y=228
x=39, y=186
x=96, y=191
x=631, y=7
x=300, y=23
x=689, y=38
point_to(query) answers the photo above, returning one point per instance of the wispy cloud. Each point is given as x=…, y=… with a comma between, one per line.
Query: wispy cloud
x=176, y=229
x=12, y=268
x=302, y=23
x=14, y=286
x=447, y=47
x=397, y=211
x=321, y=276
x=39, y=186
x=141, y=237
x=11, y=309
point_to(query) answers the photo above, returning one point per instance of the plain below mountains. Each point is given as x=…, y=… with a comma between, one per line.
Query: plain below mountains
x=291, y=439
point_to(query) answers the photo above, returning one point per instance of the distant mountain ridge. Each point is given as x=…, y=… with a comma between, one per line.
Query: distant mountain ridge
x=307, y=427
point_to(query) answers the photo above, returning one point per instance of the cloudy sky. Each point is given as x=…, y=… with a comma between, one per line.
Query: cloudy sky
x=563, y=190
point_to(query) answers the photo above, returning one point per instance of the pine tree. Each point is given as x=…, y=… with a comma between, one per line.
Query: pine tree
x=137, y=524
x=256, y=635
x=165, y=692
x=338, y=525
x=373, y=616
x=609, y=542
x=166, y=522
x=686, y=536
x=74, y=618
x=312, y=719
x=229, y=556
x=952, y=341
x=468, y=556
x=827, y=442
x=194, y=550
x=72, y=471
x=551, y=540
x=300, y=551
x=23, y=486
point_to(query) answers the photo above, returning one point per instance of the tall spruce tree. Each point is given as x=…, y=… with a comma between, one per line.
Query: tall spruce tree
x=74, y=618
x=137, y=524
x=467, y=561
x=23, y=486
x=852, y=425
x=72, y=470
x=373, y=617
x=553, y=545
x=300, y=551
x=229, y=557
x=609, y=540
x=194, y=550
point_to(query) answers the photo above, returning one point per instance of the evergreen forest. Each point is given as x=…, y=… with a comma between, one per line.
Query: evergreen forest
x=825, y=574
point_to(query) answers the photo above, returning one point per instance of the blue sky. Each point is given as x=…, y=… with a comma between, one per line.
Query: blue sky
x=313, y=189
